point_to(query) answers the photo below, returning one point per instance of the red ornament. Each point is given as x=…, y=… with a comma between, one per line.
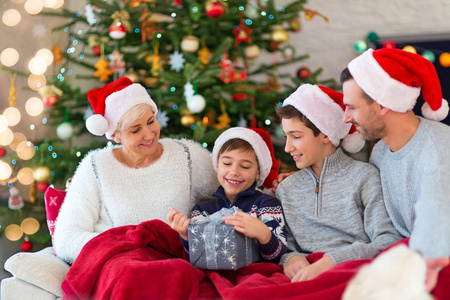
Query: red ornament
x=96, y=50
x=51, y=100
x=117, y=31
x=214, y=9
x=42, y=186
x=27, y=245
x=389, y=44
x=303, y=73
x=2, y=151
x=226, y=73
x=177, y=2
x=239, y=97
x=242, y=33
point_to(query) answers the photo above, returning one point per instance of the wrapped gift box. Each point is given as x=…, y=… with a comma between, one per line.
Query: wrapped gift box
x=220, y=247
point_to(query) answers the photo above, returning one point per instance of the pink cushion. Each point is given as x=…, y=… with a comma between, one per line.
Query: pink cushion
x=53, y=201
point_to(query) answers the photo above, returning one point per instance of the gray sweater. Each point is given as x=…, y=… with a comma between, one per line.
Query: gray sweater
x=346, y=219
x=416, y=187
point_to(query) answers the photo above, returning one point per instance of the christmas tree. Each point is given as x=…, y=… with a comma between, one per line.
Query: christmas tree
x=199, y=60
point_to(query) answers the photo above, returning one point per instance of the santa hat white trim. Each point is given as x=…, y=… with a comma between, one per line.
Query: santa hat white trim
x=380, y=86
x=325, y=114
x=255, y=140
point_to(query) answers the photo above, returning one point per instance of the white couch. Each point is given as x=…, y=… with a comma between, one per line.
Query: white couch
x=36, y=275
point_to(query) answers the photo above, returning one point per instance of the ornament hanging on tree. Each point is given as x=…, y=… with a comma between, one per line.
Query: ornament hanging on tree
x=226, y=73
x=242, y=33
x=26, y=246
x=196, y=103
x=204, y=55
x=2, y=151
x=295, y=24
x=252, y=51
x=57, y=54
x=279, y=35
x=187, y=120
x=64, y=130
x=117, y=65
x=215, y=8
x=188, y=91
x=103, y=72
x=42, y=186
x=50, y=95
x=303, y=73
x=177, y=3
x=176, y=61
x=120, y=25
x=12, y=97
x=224, y=118
x=42, y=174
x=239, y=72
x=15, y=201
x=190, y=44
x=133, y=75
x=194, y=12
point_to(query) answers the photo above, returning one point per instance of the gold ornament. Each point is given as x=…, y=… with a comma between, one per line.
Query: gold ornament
x=204, y=55
x=310, y=14
x=57, y=54
x=252, y=51
x=102, y=72
x=42, y=174
x=12, y=92
x=188, y=120
x=279, y=35
x=190, y=44
x=133, y=75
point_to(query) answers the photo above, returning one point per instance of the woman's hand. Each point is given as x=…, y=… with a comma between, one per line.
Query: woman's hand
x=294, y=265
x=314, y=269
x=178, y=222
x=249, y=226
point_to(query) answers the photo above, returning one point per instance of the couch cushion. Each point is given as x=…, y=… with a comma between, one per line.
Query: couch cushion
x=16, y=289
x=41, y=268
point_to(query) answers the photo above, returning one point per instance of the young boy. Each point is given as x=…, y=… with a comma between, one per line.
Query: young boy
x=334, y=203
x=243, y=159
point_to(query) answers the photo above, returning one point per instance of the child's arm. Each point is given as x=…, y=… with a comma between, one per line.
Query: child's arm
x=178, y=222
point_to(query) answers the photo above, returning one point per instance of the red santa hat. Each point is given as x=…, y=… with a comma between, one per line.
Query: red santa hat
x=261, y=143
x=325, y=108
x=112, y=101
x=394, y=78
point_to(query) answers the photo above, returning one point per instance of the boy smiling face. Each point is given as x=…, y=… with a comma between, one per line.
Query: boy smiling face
x=306, y=149
x=237, y=170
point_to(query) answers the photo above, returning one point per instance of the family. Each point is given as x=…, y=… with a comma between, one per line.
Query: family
x=333, y=204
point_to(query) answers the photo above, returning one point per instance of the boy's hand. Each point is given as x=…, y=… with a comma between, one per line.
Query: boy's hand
x=294, y=265
x=249, y=226
x=279, y=179
x=178, y=222
x=314, y=270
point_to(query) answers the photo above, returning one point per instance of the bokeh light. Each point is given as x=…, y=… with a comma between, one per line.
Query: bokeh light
x=13, y=232
x=9, y=57
x=410, y=48
x=11, y=17
x=444, y=59
x=3, y=123
x=429, y=55
x=25, y=176
x=5, y=170
x=6, y=137
x=37, y=65
x=46, y=54
x=29, y=226
x=12, y=114
x=33, y=7
x=34, y=106
x=18, y=138
x=25, y=150
x=35, y=82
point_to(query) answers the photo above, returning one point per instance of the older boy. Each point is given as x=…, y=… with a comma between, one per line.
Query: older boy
x=334, y=204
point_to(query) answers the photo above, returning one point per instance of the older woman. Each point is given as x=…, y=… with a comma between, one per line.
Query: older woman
x=140, y=179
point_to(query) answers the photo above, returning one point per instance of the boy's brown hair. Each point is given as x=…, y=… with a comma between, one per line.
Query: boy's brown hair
x=235, y=143
x=289, y=112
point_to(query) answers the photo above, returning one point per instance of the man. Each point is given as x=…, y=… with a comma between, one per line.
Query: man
x=380, y=89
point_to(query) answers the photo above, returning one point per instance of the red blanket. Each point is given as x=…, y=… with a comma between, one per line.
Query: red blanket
x=147, y=261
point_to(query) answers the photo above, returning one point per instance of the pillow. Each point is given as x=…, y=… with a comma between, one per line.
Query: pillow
x=41, y=268
x=53, y=201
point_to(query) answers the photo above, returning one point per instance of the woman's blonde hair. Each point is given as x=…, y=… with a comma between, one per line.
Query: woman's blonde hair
x=134, y=113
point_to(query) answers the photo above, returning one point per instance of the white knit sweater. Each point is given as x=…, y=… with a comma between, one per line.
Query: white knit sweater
x=104, y=193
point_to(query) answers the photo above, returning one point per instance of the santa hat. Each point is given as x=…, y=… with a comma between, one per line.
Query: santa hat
x=261, y=143
x=325, y=108
x=112, y=101
x=394, y=78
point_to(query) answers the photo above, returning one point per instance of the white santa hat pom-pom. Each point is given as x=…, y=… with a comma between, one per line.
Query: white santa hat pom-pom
x=97, y=125
x=353, y=143
x=437, y=115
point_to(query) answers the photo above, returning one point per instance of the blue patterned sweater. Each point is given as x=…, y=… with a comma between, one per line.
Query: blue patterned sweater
x=257, y=204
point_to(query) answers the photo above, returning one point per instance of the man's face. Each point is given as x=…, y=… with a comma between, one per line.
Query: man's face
x=365, y=116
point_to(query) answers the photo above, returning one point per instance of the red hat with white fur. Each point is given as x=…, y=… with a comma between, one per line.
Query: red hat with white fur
x=261, y=143
x=325, y=108
x=112, y=101
x=394, y=78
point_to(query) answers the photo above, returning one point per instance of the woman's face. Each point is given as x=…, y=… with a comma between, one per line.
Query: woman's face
x=141, y=137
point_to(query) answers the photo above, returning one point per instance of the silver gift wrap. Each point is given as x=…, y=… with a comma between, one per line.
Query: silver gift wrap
x=214, y=245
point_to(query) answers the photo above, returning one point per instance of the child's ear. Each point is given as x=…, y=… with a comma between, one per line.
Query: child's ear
x=325, y=139
x=258, y=176
x=116, y=138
